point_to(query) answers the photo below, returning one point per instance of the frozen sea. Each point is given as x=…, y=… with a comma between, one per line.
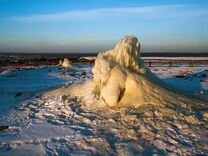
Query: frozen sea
x=46, y=126
x=18, y=86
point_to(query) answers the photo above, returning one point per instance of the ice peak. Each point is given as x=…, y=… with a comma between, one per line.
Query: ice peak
x=125, y=54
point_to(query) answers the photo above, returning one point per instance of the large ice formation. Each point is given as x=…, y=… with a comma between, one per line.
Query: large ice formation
x=66, y=63
x=114, y=82
x=121, y=79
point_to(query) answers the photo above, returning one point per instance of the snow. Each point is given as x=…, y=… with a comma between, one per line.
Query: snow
x=90, y=58
x=58, y=126
x=193, y=79
x=26, y=82
x=74, y=120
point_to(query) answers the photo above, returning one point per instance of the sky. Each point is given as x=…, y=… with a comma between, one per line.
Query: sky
x=79, y=26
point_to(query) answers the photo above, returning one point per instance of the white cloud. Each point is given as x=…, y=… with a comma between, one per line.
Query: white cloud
x=142, y=12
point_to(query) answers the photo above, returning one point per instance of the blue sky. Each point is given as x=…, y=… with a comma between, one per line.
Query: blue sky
x=97, y=25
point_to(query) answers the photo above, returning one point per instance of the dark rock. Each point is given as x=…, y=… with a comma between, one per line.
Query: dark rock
x=71, y=74
x=180, y=76
x=18, y=94
x=84, y=73
x=203, y=80
x=2, y=128
x=203, y=76
x=1, y=70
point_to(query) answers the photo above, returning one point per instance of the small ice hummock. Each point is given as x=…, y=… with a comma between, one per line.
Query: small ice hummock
x=65, y=63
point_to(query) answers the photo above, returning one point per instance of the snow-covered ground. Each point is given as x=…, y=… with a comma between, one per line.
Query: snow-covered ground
x=48, y=125
x=19, y=85
x=188, y=79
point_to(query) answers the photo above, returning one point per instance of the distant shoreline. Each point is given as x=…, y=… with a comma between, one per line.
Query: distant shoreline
x=77, y=55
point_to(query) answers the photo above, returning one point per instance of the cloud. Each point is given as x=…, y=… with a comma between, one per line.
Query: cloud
x=141, y=12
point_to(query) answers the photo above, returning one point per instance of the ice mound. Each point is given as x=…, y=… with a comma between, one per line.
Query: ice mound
x=113, y=74
x=66, y=63
x=121, y=79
